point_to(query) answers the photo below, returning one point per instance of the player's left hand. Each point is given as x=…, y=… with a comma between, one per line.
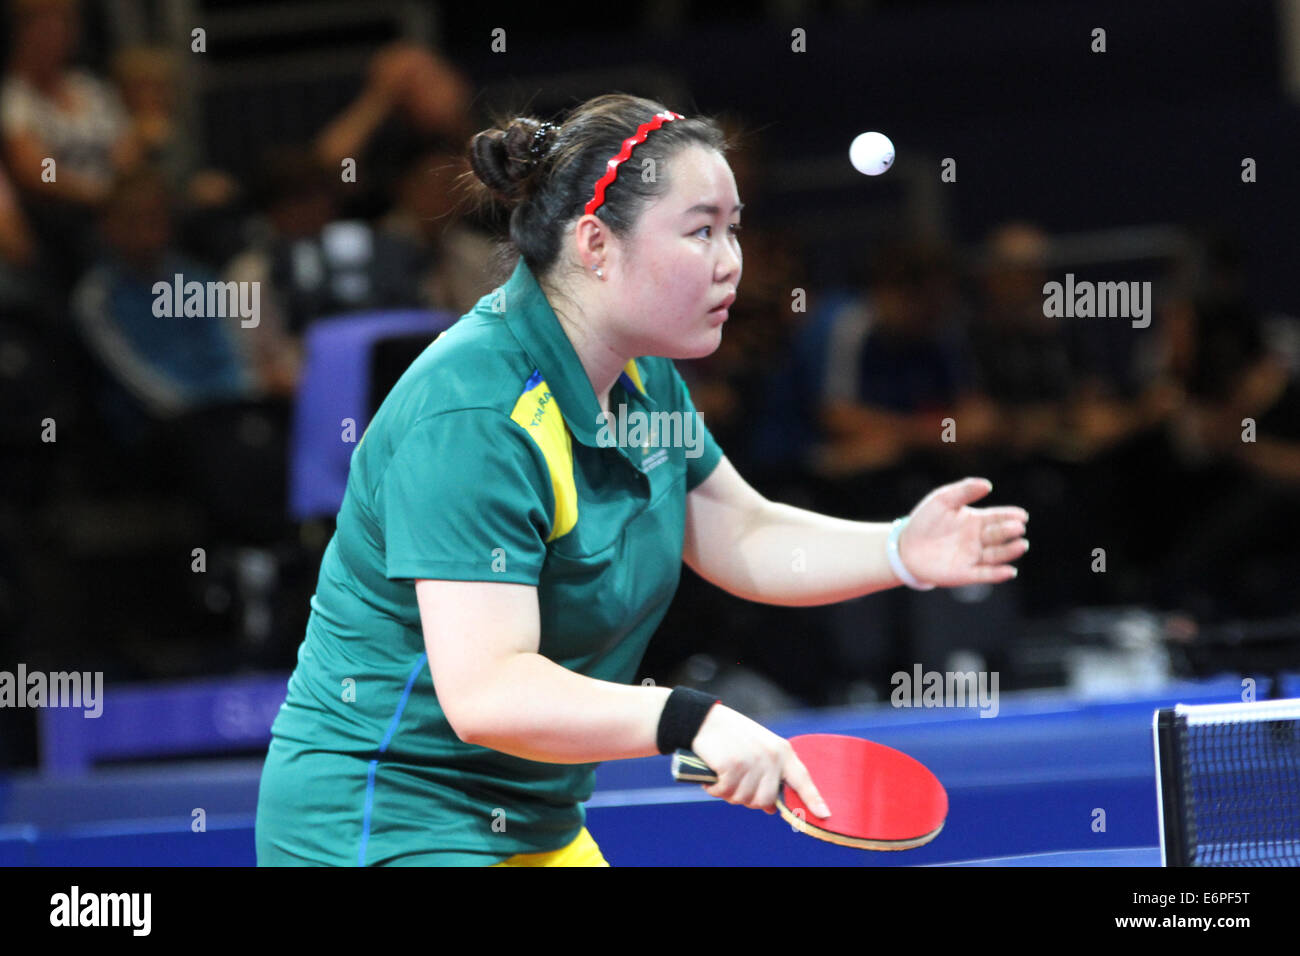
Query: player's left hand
x=949, y=544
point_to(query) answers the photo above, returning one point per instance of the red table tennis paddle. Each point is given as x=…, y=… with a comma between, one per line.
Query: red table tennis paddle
x=879, y=797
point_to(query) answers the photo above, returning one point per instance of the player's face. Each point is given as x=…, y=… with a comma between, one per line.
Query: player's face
x=685, y=258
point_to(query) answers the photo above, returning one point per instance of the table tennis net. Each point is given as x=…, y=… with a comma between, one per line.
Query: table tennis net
x=1229, y=783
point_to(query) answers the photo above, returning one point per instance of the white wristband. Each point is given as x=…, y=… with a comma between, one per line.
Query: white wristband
x=896, y=561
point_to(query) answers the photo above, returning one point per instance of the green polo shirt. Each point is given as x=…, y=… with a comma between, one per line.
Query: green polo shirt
x=490, y=460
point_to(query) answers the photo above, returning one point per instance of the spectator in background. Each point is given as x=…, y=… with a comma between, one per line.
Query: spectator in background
x=209, y=203
x=412, y=99
x=404, y=130
x=897, y=367
x=164, y=367
x=1271, y=397
x=1056, y=420
x=1236, y=437
x=148, y=83
x=1022, y=363
x=310, y=264
x=1024, y=370
x=294, y=195
x=883, y=366
x=180, y=381
x=1072, y=424
x=426, y=242
x=50, y=110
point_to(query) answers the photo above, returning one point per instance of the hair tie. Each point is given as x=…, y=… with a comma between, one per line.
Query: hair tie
x=539, y=135
x=611, y=171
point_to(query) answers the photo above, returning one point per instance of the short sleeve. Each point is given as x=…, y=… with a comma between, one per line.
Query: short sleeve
x=701, y=466
x=465, y=497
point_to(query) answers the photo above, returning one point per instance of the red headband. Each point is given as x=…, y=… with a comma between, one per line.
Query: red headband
x=611, y=171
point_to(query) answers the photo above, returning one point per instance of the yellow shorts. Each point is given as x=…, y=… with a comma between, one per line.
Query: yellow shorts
x=581, y=852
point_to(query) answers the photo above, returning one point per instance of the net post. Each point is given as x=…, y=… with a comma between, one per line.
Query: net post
x=1169, y=789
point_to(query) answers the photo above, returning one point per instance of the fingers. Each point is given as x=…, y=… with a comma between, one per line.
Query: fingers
x=1001, y=532
x=759, y=788
x=1003, y=553
x=963, y=492
x=1004, y=513
x=990, y=574
x=797, y=776
x=755, y=788
x=1001, y=542
x=765, y=798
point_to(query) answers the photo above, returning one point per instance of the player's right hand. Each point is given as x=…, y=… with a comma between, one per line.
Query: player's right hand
x=751, y=762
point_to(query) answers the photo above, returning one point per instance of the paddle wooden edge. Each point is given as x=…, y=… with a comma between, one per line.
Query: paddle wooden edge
x=801, y=825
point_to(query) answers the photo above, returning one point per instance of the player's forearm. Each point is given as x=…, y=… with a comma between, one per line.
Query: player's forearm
x=533, y=708
x=791, y=556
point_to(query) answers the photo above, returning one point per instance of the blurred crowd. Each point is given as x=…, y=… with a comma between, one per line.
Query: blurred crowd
x=163, y=434
x=1125, y=444
x=102, y=196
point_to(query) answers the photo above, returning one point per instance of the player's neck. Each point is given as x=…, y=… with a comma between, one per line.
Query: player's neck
x=601, y=362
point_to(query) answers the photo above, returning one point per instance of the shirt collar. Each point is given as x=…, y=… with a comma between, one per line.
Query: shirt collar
x=532, y=320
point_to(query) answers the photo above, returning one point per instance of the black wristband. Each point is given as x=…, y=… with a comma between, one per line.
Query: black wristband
x=681, y=718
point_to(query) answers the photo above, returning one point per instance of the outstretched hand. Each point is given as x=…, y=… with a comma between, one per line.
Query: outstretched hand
x=949, y=544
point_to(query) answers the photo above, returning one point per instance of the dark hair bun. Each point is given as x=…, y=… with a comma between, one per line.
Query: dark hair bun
x=504, y=158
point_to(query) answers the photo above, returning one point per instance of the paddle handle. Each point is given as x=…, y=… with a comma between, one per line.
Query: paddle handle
x=688, y=768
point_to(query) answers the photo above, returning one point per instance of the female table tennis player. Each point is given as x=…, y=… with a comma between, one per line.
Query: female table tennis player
x=502, y=556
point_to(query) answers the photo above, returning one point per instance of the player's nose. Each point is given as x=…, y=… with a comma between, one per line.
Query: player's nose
x=730, y=264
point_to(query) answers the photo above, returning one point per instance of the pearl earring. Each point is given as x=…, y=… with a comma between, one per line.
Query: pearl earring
x=599, y=273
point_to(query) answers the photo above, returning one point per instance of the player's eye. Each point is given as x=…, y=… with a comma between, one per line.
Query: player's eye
x=735, y=229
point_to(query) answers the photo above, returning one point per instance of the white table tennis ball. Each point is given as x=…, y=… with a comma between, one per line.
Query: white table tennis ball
x=871, y=153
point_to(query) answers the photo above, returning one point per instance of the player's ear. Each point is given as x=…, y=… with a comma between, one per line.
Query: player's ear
x=591, y=237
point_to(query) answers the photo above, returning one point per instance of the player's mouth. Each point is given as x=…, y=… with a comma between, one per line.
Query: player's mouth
x=721, y=308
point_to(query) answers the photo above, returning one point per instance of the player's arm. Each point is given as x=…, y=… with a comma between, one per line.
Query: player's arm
x=778, y=554
x=498, y=691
